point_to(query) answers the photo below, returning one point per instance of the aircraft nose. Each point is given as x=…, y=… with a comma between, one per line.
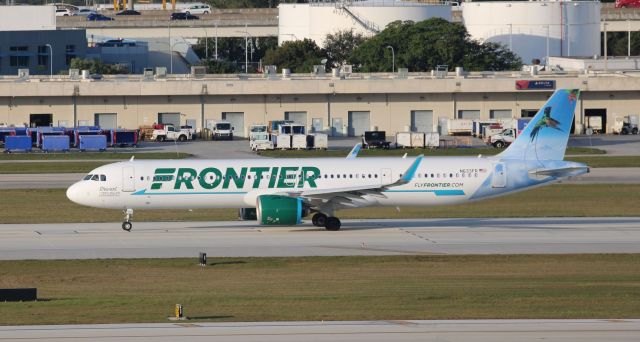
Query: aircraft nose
x=73, y=193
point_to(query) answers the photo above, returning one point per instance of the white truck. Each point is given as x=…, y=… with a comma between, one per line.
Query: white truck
x=504, y=138
x=259, y=138
x=222, y=131
x=168, y=132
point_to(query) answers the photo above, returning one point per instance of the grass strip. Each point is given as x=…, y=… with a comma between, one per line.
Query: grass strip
x=326, y=288
x=93, y=155
x=579, y=200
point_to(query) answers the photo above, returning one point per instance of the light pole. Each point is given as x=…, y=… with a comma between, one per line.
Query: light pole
x=171, y=54
x=393, y=58
x=50, y=59
x=246, y=50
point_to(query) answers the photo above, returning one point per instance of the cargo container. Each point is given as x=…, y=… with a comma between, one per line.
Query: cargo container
x=15, y=143
x=93, y=142
x=432, y=139
x=75, y=142
x=53, y=143
x=48, y=133
x=283, y=141
x=299, y=141
x=318, y=141
x=403, y=139
x=417, y=140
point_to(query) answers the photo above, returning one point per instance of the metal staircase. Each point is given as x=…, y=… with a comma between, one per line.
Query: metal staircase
x=367, y=24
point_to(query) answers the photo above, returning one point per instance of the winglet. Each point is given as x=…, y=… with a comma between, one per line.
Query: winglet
x=354, y=151
x=132, y=158
x=411, y=171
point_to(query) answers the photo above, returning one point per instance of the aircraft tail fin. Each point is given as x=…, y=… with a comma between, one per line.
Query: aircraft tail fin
x=547, y=134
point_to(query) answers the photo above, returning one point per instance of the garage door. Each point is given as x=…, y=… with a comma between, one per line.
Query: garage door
x=500, y=114
x=237, y=121
x=169, y=119
x=298, y=117
x=359, y=122
x=469, y=114
x=422, y=121
x=105, y=120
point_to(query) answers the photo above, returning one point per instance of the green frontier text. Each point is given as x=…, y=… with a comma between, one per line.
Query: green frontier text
x=256, y=177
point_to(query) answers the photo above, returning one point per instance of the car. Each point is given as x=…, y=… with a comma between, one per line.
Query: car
x=98, y=17
x=63, y=12
x=197, y=9
x=85, y=12
x=128, y=12
x=183, y=16
x=95, y=77
x=627, y=3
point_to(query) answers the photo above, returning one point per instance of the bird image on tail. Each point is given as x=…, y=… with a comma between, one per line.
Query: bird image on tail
x=545, y=121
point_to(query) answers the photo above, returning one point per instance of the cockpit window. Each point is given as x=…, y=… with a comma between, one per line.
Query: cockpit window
x=87, y=177
x=103, y=178
x=95, y=178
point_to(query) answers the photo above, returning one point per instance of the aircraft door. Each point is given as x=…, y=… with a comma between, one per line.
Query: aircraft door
x=128, y=179
x=385, y=176
x=499, y=176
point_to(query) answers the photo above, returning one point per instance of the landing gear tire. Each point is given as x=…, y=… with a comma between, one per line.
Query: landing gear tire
x=127, y=225
x=319, y=220
x=333, y=224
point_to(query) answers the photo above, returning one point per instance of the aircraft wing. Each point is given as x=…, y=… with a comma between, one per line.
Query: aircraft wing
x=351, y=197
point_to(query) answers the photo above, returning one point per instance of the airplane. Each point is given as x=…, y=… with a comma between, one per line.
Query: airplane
x=283, y=191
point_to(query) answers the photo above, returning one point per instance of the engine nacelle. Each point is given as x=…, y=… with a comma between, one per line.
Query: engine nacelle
x=279, y=210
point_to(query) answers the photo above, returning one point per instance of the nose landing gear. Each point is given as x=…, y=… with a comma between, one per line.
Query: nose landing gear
x=127, y=225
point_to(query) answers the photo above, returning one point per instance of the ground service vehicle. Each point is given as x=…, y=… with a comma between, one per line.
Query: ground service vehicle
x=504, y=138
x=375, y=139
x=222, y=131
x=168, y=132
x=627, y=3
x=626, y=125
x=283, y=191
x=183, y=16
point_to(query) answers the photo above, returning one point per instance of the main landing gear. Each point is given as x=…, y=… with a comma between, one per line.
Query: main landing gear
x=329, y=223
x=126, y=225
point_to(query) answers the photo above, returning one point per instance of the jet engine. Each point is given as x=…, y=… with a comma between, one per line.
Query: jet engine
x=279, y=210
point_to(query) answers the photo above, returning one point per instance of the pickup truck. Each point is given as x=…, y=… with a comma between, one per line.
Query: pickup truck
x=504, y=138
x=168, y=132
x=222, y=131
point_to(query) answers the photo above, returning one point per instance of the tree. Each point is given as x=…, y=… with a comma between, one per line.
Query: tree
x=424, y=45
x=95, y=66
x=340, y=45
x=231, y=53
x=299, y=56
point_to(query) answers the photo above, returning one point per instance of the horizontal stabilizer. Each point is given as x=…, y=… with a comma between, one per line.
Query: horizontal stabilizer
x=559, y=172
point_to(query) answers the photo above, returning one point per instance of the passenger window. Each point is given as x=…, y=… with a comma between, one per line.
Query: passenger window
x=376, y=175
x=103, y=178
x=344, y=176
x=331, y=176
x=350, y=176
x=457, y=175
x=369, y=175
x=338, y=176
x=432, y=175
x=451, y=175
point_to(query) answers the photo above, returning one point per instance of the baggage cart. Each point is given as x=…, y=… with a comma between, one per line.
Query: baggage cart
x=417, y=140
x=93, y=143
x=55, y=143
x=14, y=143
x=403, y=139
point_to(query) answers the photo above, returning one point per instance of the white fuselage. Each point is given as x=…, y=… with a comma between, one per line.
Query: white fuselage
x=195, y=184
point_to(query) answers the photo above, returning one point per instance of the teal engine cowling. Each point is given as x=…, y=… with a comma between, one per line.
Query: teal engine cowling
x=279, y=210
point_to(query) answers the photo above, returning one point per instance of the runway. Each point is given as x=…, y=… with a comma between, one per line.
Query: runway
x=613, y=330
x=357, y=237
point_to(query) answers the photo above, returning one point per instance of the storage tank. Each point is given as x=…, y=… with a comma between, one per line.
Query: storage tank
x=315, y=20
x=537, y=29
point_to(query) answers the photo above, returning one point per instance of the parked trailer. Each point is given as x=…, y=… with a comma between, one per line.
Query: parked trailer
x=5, y=133
x=55, y=143
x=459, y=127
x=16, y=143
x=93, y=143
